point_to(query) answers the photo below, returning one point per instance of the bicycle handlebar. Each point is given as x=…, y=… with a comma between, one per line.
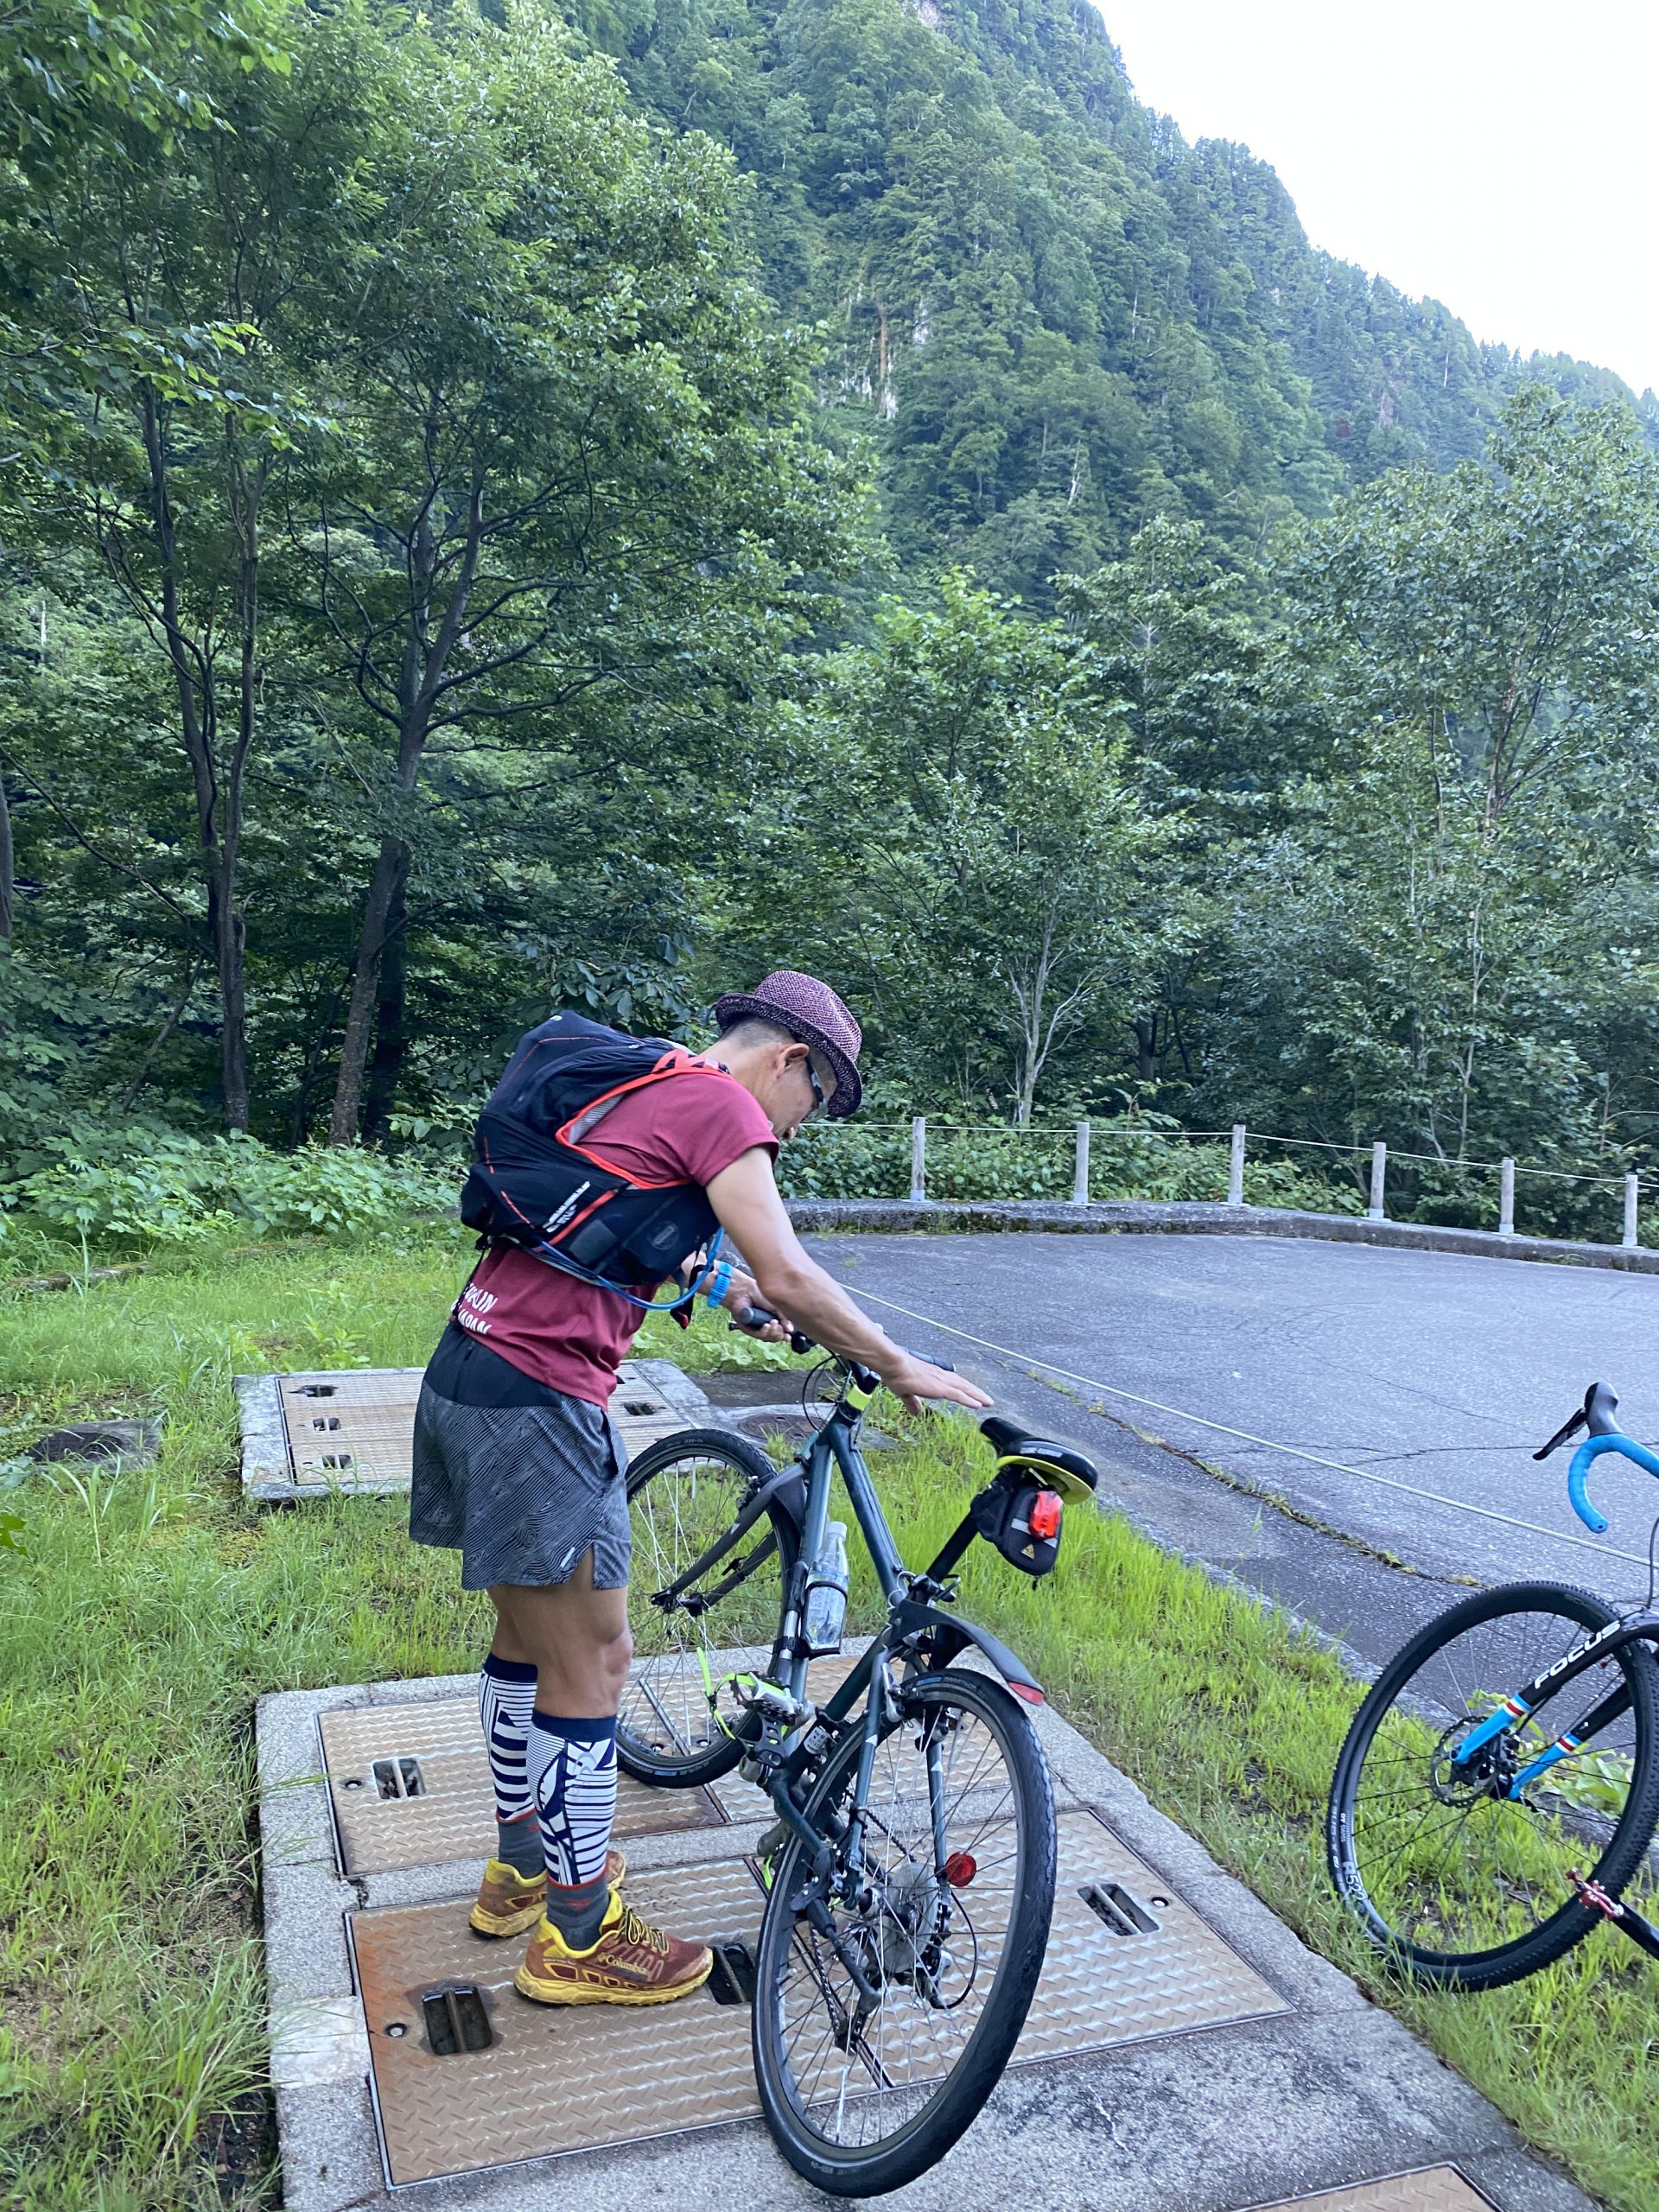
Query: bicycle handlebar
x=756, y=1317
x=1595, y=1414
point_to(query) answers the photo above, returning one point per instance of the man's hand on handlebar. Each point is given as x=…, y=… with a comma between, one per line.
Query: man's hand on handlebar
x=742, y=1302
x=910, y=1379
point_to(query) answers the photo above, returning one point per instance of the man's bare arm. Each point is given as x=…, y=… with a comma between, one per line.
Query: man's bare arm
x=746, y=1201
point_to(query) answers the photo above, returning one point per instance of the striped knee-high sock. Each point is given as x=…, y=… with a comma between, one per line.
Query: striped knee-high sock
x=573, y=1778
x=506, y=1699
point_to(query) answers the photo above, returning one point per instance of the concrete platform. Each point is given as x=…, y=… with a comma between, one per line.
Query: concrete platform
x=1205, y=2063
x=346, y=1432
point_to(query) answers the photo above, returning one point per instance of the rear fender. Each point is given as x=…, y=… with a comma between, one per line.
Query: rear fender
x=952, y=1635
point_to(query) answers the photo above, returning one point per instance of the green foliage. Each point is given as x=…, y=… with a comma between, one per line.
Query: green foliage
x=143, y=1189
x=419, y=609
x=1440, y=948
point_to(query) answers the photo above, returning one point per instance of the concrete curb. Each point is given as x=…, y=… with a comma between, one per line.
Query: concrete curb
x=1129, y=1217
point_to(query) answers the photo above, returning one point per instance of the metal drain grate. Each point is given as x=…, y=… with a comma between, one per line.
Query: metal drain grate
x=1435, y=2189
x=597, y=2075
x=411, y=1785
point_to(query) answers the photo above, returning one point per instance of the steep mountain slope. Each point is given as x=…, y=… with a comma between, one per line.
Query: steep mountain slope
x=1052, y=313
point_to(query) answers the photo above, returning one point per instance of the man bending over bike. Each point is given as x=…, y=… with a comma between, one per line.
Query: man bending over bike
x=516, y=1466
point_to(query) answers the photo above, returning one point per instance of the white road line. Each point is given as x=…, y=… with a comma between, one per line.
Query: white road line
x=1294, y=1451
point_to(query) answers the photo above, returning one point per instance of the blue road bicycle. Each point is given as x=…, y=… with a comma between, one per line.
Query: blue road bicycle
x=1499, y=1787
x=911, y=1870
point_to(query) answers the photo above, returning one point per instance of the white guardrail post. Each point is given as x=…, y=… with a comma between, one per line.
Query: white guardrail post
x=1632, y=1201
x=1236, y=1167
x=1376, y=1211
x=1080, y=1173
x=917, y=1159
x=1506, y=1196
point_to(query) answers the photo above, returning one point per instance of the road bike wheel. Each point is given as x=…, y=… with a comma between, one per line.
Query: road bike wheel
x=864, y=2090
x=675, y=1728
x=1451, y=1878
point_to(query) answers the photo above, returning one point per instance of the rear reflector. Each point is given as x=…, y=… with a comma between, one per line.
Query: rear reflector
x=1029, y=1692
x=1045, y=1520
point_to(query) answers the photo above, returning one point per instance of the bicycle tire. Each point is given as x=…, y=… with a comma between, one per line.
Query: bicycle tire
x=1621, y=1853
x=872, y=2169
x=657, y=1738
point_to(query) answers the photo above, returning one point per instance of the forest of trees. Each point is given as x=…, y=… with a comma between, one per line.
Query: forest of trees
x=505, y=508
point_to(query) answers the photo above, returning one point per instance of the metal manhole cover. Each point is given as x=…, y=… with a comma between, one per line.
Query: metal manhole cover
x=550, y=2081
x=411, y=1785
x=352, y=1428
x=1437, y=2188
x=1106, y=1980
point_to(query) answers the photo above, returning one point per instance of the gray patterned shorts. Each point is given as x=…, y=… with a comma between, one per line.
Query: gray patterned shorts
x=521, y=1491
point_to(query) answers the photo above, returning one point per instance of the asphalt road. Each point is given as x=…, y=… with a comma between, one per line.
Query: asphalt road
x=1438, y=1372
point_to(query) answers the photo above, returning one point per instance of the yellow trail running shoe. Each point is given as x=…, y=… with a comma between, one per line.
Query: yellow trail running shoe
x=632, y=1963
x=509, y=1902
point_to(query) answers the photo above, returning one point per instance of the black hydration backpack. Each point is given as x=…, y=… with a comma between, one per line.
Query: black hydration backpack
x=539, y=1180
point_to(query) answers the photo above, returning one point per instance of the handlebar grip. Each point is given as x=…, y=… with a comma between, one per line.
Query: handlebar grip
x=1577, y=1488
x=757, y=1317
x=1590, y=1451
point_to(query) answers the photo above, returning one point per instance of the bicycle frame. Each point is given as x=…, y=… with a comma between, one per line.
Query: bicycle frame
x=785, y=1753
x=1635, y=1628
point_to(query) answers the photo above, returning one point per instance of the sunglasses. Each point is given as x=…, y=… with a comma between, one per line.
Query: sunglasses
x=818, y=1091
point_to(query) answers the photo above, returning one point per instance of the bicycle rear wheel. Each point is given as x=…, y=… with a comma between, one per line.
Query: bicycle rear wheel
x=678, y=1713
x=865, y=2089
x=1454, y=1878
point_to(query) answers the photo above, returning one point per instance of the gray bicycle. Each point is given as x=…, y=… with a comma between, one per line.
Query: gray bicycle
x=911, y=1871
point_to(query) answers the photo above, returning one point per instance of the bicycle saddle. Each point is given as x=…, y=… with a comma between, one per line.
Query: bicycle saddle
x=1056, y=1465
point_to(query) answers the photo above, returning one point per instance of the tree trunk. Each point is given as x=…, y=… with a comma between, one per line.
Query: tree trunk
x=218, y=811
x=7, y=876
x=1146, y=1039
x=361, y=1012
x=230, y=958
x=386, y=1066
x=425, y=659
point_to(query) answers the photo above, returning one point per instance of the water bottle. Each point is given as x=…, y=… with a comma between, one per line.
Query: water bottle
x=826, y=1594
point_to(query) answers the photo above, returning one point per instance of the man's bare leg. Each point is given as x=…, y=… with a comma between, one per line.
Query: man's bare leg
x=576, y=1637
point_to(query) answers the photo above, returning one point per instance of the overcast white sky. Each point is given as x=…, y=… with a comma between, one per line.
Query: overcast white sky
x=1498, y=154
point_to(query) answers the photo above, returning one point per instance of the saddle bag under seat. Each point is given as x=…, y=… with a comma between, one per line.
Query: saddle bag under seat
x=538, y=1178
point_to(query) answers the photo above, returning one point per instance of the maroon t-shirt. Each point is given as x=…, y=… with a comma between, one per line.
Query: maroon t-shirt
x=564, y=1332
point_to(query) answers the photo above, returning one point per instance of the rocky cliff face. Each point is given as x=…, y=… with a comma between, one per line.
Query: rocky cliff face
x=1051, y=313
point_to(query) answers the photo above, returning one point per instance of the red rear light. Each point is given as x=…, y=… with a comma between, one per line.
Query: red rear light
x=1027, y=1693
x=1046, y=1510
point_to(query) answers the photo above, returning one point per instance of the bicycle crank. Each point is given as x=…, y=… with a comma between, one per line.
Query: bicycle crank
x=1628, y=1920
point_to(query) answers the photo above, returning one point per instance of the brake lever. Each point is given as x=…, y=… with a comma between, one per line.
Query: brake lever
x=1561, y=1435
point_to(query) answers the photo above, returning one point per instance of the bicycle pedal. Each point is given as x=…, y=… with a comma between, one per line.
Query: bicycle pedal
x=773, y=1703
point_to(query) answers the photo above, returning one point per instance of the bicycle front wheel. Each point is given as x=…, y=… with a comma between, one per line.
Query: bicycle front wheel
x=882, y=2024
x=1461, y=1872
x=679, y=1716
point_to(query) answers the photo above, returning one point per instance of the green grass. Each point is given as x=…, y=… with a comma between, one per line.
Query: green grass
x=148, y=1610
